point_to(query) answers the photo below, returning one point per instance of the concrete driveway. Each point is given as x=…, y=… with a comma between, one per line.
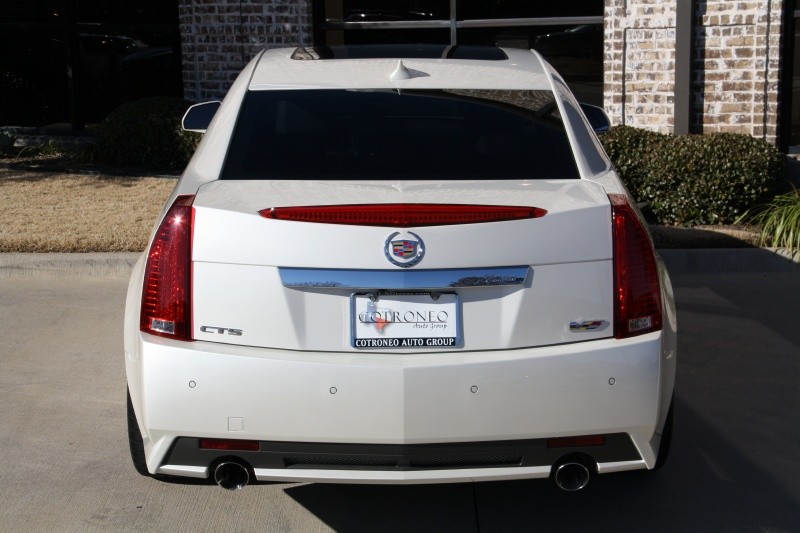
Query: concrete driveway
x=734, y=466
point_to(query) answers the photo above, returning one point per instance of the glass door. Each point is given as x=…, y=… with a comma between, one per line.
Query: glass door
x=568, y=34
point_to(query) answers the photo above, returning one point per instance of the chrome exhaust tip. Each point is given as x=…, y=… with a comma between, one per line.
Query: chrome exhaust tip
x=571, y=477
x=231, y=475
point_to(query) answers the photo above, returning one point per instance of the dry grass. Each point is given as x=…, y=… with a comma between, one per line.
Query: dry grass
x=54, y=212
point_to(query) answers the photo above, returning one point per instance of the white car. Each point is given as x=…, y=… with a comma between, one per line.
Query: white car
x=404, y=264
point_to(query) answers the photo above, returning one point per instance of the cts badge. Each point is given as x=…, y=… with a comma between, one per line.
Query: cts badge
x=221, y=331
x=404, y=249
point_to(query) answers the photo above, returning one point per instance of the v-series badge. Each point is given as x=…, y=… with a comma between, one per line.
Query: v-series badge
x=221, y=331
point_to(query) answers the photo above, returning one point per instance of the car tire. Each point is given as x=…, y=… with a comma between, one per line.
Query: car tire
x=135, y=441
x=666, y=439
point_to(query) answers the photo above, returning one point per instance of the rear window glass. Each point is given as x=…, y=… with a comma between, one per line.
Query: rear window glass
x=393, y=134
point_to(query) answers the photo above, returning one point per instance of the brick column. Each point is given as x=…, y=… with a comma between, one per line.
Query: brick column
x=219, y=37
x=736, y=65
x=639, y=74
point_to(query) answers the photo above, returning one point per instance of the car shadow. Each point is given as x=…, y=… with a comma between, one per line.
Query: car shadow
x=707, y=484
x=390, y=507
x=733, y=466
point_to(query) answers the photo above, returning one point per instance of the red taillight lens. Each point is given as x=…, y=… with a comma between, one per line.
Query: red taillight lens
x=167, y=292
x=229, y=444
x=637, y=291
x=402, y=215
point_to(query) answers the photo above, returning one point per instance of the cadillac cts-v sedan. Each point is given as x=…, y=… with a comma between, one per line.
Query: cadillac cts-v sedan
x=399, y=264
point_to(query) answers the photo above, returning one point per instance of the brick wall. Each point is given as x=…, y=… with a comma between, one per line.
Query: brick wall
x=736, y=65
x=219, y=37
x=640, y=63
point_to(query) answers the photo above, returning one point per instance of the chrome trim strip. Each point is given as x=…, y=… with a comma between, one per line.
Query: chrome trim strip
x=450, y=278
x=621, y=466
x=200, y=472
x=402, y=476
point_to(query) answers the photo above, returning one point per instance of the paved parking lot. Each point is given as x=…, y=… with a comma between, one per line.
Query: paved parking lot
x=734, y=464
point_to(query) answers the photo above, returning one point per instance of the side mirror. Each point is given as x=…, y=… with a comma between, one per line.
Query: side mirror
x=198, y=117
x=597, y=118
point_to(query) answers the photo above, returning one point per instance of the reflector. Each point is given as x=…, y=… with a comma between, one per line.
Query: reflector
x=229, y=444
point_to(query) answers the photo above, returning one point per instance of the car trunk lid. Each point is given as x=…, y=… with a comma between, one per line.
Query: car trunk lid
x=520, y=283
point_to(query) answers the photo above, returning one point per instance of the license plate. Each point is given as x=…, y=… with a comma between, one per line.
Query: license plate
x=405, y=320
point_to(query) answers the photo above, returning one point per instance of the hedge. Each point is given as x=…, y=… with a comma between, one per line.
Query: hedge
x=6, y=142
x=147, y=134
x=694, y=179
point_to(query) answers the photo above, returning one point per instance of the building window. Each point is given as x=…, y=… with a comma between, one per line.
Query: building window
x=568, y=34
x=794, y=95
x=75, y=61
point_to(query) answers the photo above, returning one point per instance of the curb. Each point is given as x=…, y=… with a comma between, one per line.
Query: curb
x=65, y=264
x=120, y=264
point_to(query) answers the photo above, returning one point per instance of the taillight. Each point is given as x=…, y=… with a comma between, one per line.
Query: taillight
x=167, y=292
x=402, y=215
x=637, y=293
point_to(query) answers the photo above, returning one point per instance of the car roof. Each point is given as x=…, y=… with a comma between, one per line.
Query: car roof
x=404, y=67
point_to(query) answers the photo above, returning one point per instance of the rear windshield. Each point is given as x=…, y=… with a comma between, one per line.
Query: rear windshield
x=393, y=134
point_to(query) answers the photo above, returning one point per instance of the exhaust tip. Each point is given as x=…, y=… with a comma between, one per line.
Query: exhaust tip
x=231, y=475
x=571, y=477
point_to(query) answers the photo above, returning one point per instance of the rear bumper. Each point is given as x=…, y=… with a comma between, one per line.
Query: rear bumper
x=210, y=390
x=415, y=463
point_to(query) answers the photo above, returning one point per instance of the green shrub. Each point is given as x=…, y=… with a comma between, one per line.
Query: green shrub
x=694, y=179
x=631, y=150
x=147, y=134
